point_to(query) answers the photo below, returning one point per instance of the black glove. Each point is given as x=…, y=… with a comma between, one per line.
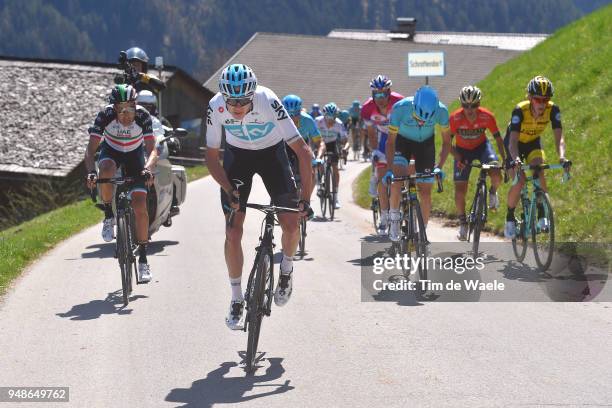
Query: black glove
x=92, y=176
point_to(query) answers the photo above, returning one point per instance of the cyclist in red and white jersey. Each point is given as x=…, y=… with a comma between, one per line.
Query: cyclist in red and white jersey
x=376, y=112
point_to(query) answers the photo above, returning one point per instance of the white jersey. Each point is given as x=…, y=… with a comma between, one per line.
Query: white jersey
x=335, y=133
x=265, y=125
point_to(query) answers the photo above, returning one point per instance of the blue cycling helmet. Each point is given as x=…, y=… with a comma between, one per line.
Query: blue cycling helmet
x=344, y=115
x=380, y=82
x=356, y=103
x=293, y=104
x=331, y=110
x=425, y=102
x=237, y=81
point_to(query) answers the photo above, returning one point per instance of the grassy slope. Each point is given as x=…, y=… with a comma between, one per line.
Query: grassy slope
x=577, y=59
x=23, y=244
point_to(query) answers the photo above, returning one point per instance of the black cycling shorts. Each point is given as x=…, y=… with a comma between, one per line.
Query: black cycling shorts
x=272, y=165
x=133, y=163
x=423, y=153
x=332, y=147
x=527, y=151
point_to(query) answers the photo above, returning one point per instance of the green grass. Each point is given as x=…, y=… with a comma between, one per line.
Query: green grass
x=360, y=189
x=576, y=59
x=196, y=172
x=23, y=244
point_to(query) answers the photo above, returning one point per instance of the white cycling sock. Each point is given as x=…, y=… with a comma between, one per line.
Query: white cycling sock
x=384, y=216
x=286, y=266
x=236, y=284
x=394, y=214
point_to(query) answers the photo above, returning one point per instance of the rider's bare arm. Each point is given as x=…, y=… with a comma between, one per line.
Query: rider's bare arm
x=216, y=170
x=153, y=156
x=513, y=144
x=90, y=152
x=560, y=142
x=500, y=146
x=304, y=154
x=390, y=146
x=446, y=146
x=372, y=136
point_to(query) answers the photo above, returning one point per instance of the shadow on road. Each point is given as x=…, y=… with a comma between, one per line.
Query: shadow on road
x=113, y=304
x=216, y=388
x=107, y=250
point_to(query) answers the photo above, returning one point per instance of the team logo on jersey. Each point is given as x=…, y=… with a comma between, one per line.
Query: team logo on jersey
x=221, y=109
x=281, y=113
x=254, y=131
x=208, y=115
x=516, y=119
x=558, y=117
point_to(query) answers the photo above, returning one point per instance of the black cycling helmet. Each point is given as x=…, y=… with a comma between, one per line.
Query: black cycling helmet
x=540, y=86
x=138, y=54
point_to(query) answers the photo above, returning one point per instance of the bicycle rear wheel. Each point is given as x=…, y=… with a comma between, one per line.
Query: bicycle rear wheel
x=544, y=240
x=323, y=197
x=479, y=217
x=123, y=258
x=520, y=241
x=257, y=305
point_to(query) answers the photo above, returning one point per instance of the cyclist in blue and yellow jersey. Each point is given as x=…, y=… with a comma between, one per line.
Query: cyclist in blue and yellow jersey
x=414, y=120
x=529, y=119
x=307, y=128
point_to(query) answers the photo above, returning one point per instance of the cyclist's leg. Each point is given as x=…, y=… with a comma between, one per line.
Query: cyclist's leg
x=400, y=168
x=239, y=164
x=107, y=167
x=536, y=156
x=425, y=158
x=514, y=192
x=461, y=178
x=274, y=170
x=488, y=155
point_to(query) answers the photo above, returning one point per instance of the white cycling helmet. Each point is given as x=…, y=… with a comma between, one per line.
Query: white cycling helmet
x=146, y=97
x=470, y=95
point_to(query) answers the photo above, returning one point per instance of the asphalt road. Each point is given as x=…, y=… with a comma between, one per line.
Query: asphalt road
x=63, y=324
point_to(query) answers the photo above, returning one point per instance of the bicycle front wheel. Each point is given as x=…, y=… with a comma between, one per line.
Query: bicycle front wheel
x=420, y=240
x=256, y=305
x=478, y=218
x=521, y=237
x=123, y=257
x=329, y=195
x=544, y=238
x=375, y=208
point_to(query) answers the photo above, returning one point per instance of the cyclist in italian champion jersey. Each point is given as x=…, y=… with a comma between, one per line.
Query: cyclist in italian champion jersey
x=307, y=128
x=529, y=120
x=124, y=128
x=468, y=125
x=257, y=127
x=411, y=135
x=376, y=112
x=333, y=139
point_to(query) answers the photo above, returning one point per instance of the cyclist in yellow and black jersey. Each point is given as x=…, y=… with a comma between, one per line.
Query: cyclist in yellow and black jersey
x=523, y=143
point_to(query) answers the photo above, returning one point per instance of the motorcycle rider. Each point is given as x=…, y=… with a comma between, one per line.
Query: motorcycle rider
x=139, y=59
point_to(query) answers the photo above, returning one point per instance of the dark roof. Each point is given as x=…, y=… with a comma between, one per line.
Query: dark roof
x=322, y=69
x=46, y=107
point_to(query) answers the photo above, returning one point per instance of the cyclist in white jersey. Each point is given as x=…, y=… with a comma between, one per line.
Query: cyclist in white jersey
x=257, y=127
x=333, y=139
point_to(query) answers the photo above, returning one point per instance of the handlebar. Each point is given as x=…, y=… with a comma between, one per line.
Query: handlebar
x=267, y=209
x=535, y=167
x=416, y=176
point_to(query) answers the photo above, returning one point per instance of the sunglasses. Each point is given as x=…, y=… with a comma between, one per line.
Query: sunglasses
x=379, y=95
x=330, y=117
x=238, y=101
x=126, y=110
x=470, y=105
x=540, y=100
x=294, y=113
